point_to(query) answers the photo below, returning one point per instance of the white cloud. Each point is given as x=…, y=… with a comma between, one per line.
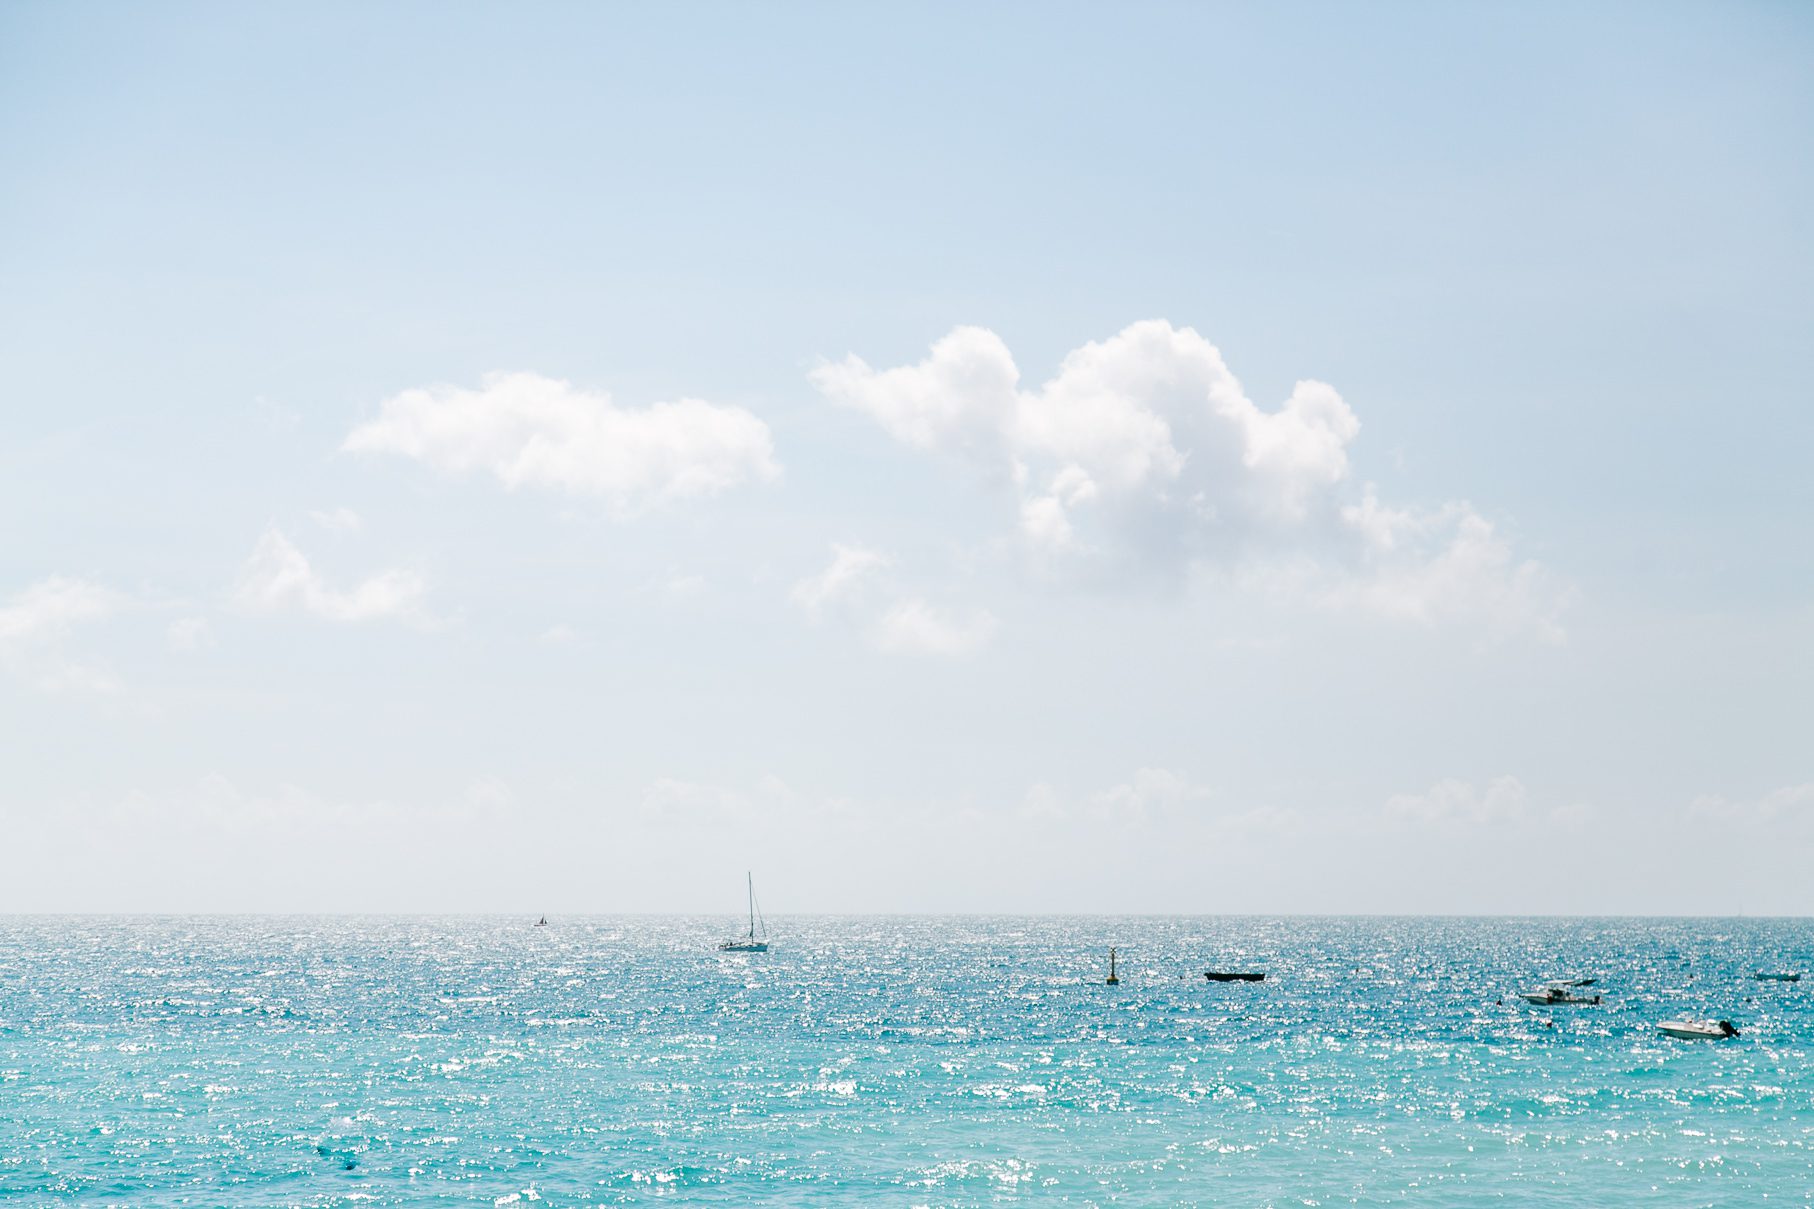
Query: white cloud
x=849, y=568
x=1457, y=801
x=1142, y=451
x=50, y=608
x=700, y=804
x=1163, y=797
x=77, y=678
x=915, y=627
x=34, y=623
x=675, y=801
x=1150, y=416
x=527, y=430
x=1447, y=564
x=337, y=520
x=855, y=583
x=1042, y=804
x=1151, y=793
x=1786, y=804
x=278, y=577
x=186, y=635
x=490, y=794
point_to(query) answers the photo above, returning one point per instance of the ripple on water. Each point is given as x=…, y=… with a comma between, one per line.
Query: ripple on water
x=402, y=1061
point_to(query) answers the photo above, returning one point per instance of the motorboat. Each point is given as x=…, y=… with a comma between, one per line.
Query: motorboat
x=1778, y=977
x=1698, y=1030
x=1227, y=976
x=749, y=942
x=1560, y=992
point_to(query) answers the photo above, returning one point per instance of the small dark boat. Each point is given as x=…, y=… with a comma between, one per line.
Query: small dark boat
x=1558, y=992
x=1796, y=977
x=1226, y=976
x=542, y=922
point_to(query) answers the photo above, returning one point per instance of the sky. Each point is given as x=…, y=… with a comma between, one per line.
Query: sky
x=940, y=458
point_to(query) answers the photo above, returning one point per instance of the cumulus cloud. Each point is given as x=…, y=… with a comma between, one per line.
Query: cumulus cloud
x=842, y=578
x=1456, y=801
x=917, y=627
x=529, y=431
x=278, y=577
x=1151, y=416
x=1143, y=451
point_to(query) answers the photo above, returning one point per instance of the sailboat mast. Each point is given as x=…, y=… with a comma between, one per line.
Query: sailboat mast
x=750, y=877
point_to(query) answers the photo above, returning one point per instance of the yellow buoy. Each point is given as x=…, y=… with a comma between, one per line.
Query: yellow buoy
x=1112, y=979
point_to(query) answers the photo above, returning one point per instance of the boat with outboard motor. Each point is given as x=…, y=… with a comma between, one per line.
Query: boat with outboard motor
x=1698, y=1030
x=1561, y=993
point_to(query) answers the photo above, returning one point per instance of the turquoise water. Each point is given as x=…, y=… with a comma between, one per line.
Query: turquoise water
x=910, y=1061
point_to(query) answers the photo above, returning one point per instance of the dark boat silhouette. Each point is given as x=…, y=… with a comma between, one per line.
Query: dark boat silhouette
x=1227, y=976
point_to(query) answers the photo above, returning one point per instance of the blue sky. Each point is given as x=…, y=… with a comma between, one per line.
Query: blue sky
x=304, y=606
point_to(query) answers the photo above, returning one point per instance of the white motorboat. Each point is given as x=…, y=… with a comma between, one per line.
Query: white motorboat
x=1698, y=1030
x=749, y=942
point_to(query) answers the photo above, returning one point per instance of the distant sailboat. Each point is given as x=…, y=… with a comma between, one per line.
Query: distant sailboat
x=749, y=943
x=542, y=922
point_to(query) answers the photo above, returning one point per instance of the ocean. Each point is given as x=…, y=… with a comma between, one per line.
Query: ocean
x=326, y=1061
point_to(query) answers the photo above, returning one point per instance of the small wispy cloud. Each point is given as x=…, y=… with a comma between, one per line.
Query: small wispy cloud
x=337, y=520
x=850, y=568
x=1456, y=801
x=35, y=623
x=278, y=577
x=50, y=608
x=186, y=635
x=916, y=627
x=1788, y=803
x=855, y=585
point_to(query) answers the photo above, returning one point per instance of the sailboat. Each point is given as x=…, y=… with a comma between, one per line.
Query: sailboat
x=748, y=943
